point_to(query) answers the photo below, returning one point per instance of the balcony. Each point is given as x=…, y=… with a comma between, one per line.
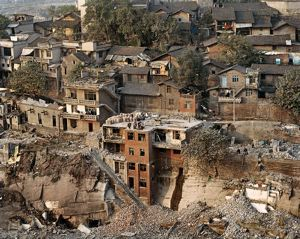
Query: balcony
x=71, y=101
x=87, y=102
x=114, y=138
x=80, y=102
x=229, y=100
x=80, y=116
x=169, y=145
x=90, y=117
x=71, y=116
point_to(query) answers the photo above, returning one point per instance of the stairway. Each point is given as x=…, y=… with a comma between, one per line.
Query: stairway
x=97, y=158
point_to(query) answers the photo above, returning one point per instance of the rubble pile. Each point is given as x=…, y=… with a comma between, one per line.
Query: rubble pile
x=273, y=150
x=237, y=218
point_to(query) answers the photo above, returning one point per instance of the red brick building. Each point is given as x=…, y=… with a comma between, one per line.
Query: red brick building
x=146, y=145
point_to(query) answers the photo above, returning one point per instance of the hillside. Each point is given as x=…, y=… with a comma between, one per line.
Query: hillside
x=33, y=7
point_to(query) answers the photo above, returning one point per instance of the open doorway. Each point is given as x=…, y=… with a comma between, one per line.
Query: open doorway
x=131, y=182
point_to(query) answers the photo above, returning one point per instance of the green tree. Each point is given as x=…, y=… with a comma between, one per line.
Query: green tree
x=75, y=74
x=29, y=79
x=206, y=149
x=54, y=11
x=4, y=21
x=288, y=91
x=191, y=70
x=237, y=50
x=119, y=23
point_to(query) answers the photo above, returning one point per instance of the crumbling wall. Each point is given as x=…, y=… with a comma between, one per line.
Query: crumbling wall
x=67, y=185
x=235, y=173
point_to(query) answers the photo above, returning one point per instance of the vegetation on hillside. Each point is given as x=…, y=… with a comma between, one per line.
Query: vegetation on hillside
x=4, y=21
x=29, y=79
x=206, y=149
x=191, y=70
x=237, y=50
x=288, y=91
x=121, y=24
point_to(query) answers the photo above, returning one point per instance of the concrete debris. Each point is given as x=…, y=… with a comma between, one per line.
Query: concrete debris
x=84, y=229
x=260, y=207
x=128, y=234
x=273, y=150
x=26, y=227
x=38, y=223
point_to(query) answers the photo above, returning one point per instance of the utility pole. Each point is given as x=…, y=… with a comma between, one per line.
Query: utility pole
x=233, y=108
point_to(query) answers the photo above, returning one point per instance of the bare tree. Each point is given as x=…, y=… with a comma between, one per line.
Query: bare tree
x=206, y=149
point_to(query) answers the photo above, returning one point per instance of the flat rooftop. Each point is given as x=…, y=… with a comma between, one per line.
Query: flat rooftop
x=149, y=122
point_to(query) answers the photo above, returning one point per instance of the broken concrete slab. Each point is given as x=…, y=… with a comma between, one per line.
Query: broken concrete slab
x=84, y=229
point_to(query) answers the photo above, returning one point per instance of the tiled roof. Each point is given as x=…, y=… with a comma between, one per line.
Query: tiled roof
x=244, y=17
x=140, y=89
x=267, y=40
x=254, y=7
x=223, y=14
x=82, y=57
x=262, y=21
x=135, y=70
x=126, y=50
x=272, y=69
x=238, y=68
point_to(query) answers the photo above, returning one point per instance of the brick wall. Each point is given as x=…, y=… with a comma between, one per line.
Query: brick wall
x=262, y=110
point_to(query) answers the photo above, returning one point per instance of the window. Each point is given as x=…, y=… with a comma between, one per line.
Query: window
x=169, y=89
x=7, y=51
x=175, y=151
x=176, y=134
x=90, y=95
x=54, y=121
x=91, y=128
x=143, y=183
x=121, y=165
x=235, y=78
x=65, y=70
x=274, y=47
x=179, y=20
x=143, y=167
x=48, y=53
x=171, y=101
x=131, y=151
x=131, y=166
x=90, y=111
x=187, y=105
x=130, y=136
x=161, y=150
x=117, y=167
x=263, y=76
x=277, y=61
x=249, y=92
x=74, y=62
x=73, y=94
x=142, y=152
x=40, y=118
x=141, y=137
x=73, y=123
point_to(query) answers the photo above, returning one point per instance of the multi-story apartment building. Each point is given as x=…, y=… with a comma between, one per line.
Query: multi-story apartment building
x=89, y=102
x=145, y=146
x=10, y=51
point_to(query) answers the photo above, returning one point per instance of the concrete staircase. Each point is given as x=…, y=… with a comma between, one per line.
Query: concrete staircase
x=97, y=158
